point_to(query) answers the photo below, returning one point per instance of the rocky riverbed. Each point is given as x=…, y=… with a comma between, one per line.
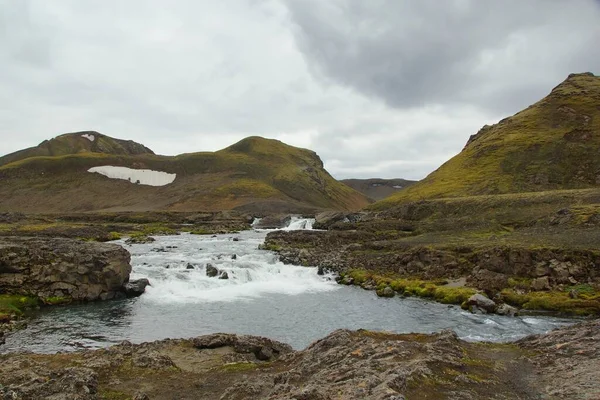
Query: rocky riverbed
x=344, y=365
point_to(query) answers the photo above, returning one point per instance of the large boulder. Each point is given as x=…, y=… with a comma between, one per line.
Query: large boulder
x=479, y=302
x=52, y=268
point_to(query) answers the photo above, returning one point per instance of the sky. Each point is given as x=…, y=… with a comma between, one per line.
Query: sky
x=379, y=88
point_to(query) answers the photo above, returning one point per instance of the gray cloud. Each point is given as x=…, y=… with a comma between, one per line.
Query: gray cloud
x=379, y=88
x=413, y=53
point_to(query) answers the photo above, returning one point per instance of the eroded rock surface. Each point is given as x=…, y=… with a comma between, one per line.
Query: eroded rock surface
x=563, y=364
x=63, y=268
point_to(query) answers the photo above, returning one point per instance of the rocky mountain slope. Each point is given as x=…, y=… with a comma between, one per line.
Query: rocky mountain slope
x=255, y=175
x=377, y=188
x=553, y=144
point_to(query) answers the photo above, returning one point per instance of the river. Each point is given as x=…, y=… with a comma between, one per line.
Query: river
x=261, y=296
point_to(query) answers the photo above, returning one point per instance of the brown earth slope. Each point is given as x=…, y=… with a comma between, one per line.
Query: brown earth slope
x=254, y=175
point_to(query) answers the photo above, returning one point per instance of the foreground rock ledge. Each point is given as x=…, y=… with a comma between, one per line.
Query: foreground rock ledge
x=344, y=365
x=59, y=268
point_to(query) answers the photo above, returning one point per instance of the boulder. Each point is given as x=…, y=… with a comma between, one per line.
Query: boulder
x=224, y=275
x=505, y=309
x=480, y=302
x=63, y=268
x=211, y=271
x=542, y=283
x=136, y=287
x=325, y=219
x=386, y=292
x=189, y=266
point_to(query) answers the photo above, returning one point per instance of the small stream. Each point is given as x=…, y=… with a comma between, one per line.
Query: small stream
x=261, y=296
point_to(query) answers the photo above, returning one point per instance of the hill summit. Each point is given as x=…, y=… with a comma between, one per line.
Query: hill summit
x=78, y=142
x=552, y=144
x=88, y=171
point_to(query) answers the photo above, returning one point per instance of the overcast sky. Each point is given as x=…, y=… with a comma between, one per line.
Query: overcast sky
x=377, y=88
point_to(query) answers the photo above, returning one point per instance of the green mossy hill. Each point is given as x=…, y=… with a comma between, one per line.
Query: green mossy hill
x=78, y=142
x=255, y=174
x=552, y=144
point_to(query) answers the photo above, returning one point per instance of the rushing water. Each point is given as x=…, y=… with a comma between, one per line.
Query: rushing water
x=261, y=297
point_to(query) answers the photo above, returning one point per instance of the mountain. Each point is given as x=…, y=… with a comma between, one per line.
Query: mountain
x=255, y=175
x=376, y=188
x=552, y=144
x=78, y=142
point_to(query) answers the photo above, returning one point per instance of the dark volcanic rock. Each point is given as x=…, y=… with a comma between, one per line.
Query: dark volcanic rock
x=211, y=271
x=262, y=348
x=58, y=267
x=136, y=287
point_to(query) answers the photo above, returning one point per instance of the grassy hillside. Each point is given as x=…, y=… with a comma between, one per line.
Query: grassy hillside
x=377, y=188
x=75, y=143
x=255, y=173
x=553, y=144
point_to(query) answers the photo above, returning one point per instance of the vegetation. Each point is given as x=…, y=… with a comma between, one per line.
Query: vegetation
x=548, y=146
x=15, y=305
x=254, y=170
x=410, y=287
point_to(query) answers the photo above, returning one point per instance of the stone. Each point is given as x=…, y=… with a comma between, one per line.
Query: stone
x=481, y=302
x=234, y=257
x=140, y=240
x=542, y=283
x=505, y=309
x=211, y=271
x=189, y=266
x=320, y=270
x=224, y=275
x=61, y=267
x=386, y=292
x=136, y=287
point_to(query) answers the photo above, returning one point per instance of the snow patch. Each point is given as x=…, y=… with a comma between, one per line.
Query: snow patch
x=397, y=187
x=140, y=176
x=89, y=137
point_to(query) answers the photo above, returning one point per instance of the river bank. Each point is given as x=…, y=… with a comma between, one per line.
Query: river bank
x=345, y=364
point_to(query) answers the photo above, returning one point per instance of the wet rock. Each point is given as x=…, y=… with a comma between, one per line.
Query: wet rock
x=234, y=257
x=224, y=275
x=236, y=239
x=60, y=267
x=140, y=240
x=480, y=302
x=211, y=271
x=136, y=287
x=386, y=292
x=320, y=270
x=189, y=266
x=542, y=283
x=505, y=309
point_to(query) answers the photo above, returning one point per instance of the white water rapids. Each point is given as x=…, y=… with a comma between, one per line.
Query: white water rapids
x=261, y=297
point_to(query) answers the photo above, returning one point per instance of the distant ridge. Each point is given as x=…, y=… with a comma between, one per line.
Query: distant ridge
x=377, y=188
x=552, y=144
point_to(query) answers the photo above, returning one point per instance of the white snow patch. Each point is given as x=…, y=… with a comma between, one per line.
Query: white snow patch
x=140, y=176
x=89, y=137
x=397, y=187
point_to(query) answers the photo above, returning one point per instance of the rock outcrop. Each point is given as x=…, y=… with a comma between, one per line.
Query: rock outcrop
x=58, y=268
x=344, y=365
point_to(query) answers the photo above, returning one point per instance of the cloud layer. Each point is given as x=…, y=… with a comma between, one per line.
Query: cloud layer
x=378, y=89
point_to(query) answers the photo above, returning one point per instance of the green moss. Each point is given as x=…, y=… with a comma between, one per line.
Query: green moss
x=56, y=300
x=413, y=287
x=238, y=367
x=114, y=395
x=16, y=304
x=114, y=236
x=553, y=301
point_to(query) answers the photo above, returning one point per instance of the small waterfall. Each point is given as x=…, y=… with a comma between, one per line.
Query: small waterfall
x=176, y=267
x=297, y=223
